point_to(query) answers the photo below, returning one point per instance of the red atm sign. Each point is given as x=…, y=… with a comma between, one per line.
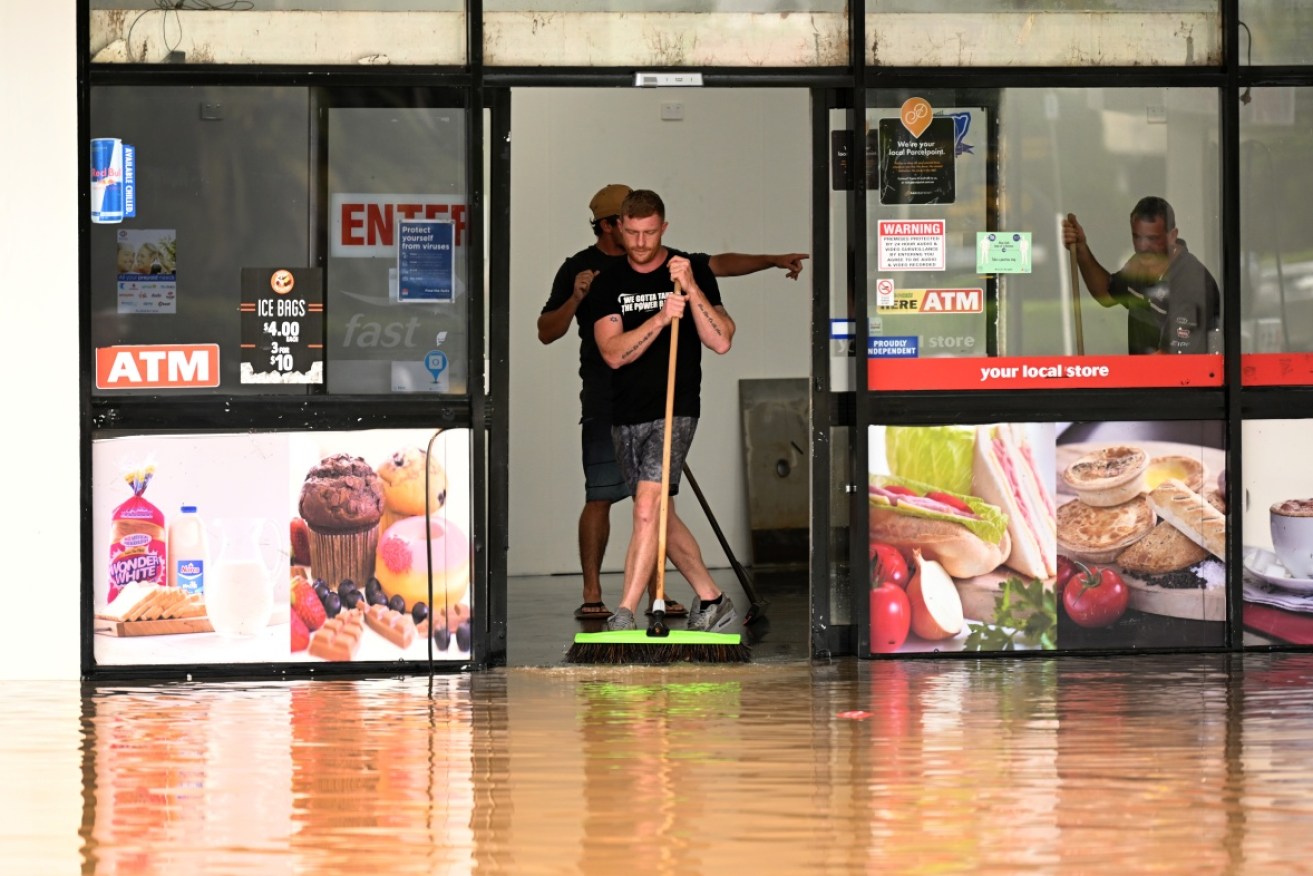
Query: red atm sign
x=158, y=366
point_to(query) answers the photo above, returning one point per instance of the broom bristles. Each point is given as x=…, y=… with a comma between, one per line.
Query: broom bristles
x=620, y=654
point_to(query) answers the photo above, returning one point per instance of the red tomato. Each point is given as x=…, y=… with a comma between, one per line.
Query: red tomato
x=1066, y=569
x=1096, y=598
x=950, y=500
x=898, y=490
x=891, y=618
x=888, y=566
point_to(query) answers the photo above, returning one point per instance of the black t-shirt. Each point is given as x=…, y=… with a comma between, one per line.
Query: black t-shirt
x=639, y=388
x=595, y=395
x=595, y=374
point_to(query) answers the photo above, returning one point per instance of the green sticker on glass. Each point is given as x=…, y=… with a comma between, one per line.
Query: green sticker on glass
x=1003, y=252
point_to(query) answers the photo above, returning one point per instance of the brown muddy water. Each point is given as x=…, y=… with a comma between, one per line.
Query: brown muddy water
x=1141, y=764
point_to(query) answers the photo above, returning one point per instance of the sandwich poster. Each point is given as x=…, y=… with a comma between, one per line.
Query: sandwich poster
x=1033, y=536
x=282, y=547
x=961, y=521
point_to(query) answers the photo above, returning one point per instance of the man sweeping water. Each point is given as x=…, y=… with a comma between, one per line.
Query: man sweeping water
x=633, y=307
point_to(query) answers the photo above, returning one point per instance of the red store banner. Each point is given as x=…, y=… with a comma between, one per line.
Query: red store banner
x=1045, y=372
x=1276, y=369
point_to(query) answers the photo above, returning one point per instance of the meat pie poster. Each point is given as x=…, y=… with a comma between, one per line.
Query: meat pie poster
x=961, y=524
x=1142, y=509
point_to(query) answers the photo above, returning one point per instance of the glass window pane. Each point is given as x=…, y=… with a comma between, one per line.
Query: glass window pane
x=391, y=171
x=966, y=255
x=1276, y=32
x=666, y=33
x=279, y=32
x=1276, y=276
x=223, y=179
x=1066, y=33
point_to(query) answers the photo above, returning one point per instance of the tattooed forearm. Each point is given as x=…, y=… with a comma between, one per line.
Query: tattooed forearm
x=711, y=319
x=639, y=346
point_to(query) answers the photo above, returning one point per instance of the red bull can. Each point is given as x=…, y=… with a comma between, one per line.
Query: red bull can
x=107, y=180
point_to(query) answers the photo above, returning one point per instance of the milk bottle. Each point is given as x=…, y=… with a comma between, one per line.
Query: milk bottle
x=188, y=551
x=239, y=596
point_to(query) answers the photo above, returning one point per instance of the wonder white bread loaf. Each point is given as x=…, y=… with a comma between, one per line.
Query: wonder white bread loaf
x=1189, y=512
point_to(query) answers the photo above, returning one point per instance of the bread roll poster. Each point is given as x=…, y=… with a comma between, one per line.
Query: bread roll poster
x=969, y=512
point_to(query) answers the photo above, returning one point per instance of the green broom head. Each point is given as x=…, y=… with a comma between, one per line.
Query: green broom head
x=639, y=646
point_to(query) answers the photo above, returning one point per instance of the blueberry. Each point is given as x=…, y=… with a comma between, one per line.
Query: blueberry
x=321, y=590
x=332, y=604
x=319, y=582
x=346, y=586
x=420, y=612
x=373, y=585
x=441, y=637
x=463, y=634
x=351, y=599
x=376, y=597
x=397, y=603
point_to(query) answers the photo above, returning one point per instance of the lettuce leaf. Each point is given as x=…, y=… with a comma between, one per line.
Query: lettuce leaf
x=990, y=524
x=937, y=455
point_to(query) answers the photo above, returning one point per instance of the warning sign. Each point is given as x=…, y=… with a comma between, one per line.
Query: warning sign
x=907, y=245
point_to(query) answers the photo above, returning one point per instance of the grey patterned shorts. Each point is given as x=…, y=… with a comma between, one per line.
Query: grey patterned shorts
x=638, y=450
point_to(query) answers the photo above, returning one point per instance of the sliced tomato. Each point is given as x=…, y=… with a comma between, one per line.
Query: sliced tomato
x=950, y=500
x=899, y=490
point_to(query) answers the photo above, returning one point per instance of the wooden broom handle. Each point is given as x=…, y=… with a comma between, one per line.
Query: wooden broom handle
x=665, y=459
x=1075, y=294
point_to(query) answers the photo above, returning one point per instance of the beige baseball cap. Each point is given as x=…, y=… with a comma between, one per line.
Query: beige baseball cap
x=608, y=200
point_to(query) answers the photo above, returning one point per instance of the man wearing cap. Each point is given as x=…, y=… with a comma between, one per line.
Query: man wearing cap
x=603, y=483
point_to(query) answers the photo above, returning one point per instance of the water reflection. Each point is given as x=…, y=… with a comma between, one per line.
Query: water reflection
x=1180, y=763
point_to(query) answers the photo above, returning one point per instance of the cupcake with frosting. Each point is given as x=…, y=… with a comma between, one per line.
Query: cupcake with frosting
x=342, y=503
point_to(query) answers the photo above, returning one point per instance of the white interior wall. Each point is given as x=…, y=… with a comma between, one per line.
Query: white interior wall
x=735, y=176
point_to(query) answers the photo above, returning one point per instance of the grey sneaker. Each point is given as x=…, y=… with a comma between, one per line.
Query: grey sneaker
x=713, y=618
x=622, y=619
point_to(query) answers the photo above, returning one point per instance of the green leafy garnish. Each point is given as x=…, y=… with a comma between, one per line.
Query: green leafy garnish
x=938, y=455
x=1026, y=616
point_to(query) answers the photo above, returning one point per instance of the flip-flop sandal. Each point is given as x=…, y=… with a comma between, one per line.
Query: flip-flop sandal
x=673, y=609
x=592, y=611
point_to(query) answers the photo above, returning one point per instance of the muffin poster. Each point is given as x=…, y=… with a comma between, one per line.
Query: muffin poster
x=279, y=547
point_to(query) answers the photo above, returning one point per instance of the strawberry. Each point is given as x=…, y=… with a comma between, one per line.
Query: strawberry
x=300, y=635
x=300, y=542
x=306, y=605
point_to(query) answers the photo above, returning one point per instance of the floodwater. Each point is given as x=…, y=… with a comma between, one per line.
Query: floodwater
x=1197, y=763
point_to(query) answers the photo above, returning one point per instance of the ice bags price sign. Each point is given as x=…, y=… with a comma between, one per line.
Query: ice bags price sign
x=282, y=325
